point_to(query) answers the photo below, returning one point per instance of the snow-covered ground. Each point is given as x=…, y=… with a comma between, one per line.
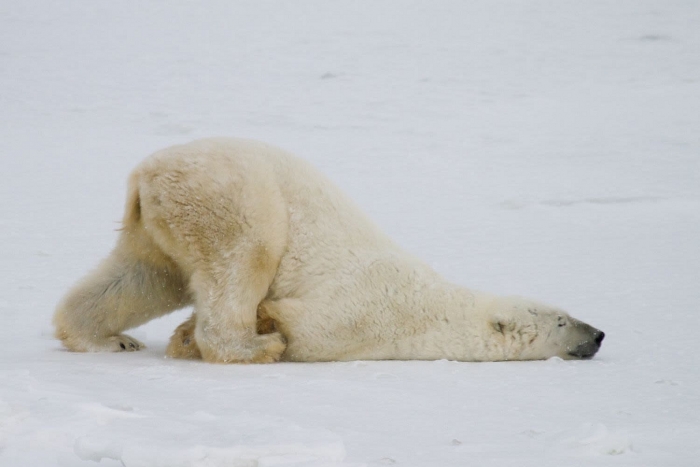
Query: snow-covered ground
x=543, y=148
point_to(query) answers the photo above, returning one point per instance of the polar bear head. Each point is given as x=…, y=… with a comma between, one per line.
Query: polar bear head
x=526, y=330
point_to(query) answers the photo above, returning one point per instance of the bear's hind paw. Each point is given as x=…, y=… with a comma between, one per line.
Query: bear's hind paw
x=266, y=348
x=272, y=347
x=123, y=343
x=118, y=343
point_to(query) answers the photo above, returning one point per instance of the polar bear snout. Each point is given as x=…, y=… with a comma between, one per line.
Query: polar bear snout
x=599, y=338
x=592, y=340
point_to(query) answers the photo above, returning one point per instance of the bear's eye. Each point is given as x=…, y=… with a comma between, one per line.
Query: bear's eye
x=562, y=323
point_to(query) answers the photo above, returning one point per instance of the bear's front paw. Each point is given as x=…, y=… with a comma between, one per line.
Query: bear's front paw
x=182, y=343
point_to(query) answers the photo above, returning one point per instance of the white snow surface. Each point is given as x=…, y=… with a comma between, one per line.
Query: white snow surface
x=549, y=149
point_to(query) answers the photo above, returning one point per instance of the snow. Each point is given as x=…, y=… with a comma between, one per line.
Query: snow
x=545, y=149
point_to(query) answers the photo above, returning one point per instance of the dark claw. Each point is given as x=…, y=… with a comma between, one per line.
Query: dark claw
x=121, y=344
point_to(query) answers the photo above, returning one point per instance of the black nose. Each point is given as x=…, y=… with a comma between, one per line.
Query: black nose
x=599, y=337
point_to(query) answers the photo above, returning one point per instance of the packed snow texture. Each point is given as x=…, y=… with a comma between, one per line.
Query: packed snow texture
x=549, y=149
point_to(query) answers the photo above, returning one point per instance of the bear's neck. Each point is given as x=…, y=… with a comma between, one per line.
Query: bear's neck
x=456, y=325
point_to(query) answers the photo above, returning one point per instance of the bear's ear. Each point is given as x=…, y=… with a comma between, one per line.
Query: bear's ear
x=498, y=327
x=502, y=326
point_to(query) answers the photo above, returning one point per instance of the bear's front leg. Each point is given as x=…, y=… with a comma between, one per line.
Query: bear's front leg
x=182, y=343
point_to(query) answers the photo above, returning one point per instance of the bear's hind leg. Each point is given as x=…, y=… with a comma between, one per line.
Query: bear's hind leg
x=226, y=299
x=130, y=287
x=224, y=219
x=184, y=345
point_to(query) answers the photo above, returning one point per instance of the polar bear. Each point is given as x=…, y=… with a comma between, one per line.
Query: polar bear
x=280, y=265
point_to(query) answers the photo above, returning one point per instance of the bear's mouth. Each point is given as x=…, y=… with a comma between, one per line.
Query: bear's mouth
x=589, y=348
x=582, y=355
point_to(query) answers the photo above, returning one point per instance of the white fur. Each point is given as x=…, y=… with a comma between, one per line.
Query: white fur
x=235, y=225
